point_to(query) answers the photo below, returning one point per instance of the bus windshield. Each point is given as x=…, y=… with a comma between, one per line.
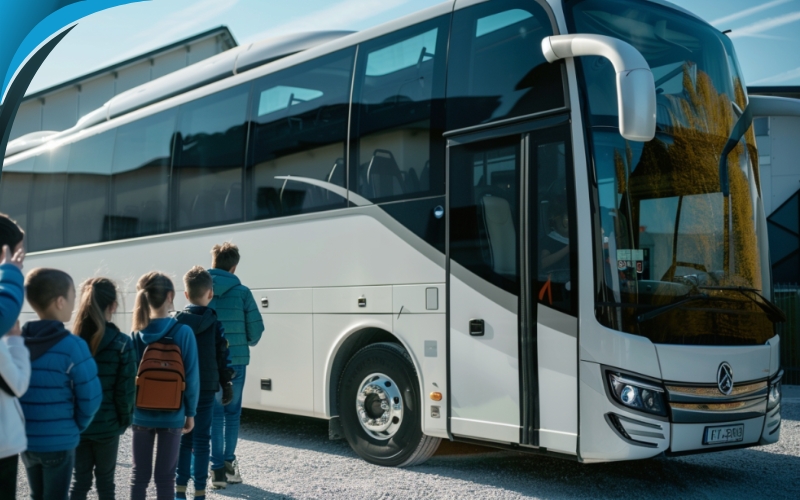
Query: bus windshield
x=681, y=253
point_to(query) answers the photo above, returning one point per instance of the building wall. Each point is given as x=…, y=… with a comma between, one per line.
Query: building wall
x=779, y=159
x=61, y=108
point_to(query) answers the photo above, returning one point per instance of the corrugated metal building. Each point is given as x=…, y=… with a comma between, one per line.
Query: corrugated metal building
x=59, y=107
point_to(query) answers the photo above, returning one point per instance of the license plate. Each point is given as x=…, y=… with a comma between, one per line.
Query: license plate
x=724, y=434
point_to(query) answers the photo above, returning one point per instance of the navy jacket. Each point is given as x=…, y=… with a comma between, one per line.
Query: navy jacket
x=64, y=393
x=212, y=347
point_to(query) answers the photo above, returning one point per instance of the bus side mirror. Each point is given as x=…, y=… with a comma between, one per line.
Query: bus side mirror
x=636, y=89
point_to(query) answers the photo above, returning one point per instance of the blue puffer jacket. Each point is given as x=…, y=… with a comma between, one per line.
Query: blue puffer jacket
x=64, y=393
x=11, y=295
x=238, y=313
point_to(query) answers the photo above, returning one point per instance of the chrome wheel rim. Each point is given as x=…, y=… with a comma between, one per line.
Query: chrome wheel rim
x=379, y=405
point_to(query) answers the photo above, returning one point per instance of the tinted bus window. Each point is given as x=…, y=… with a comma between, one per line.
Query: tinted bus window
x=15, y=190
x=497, y=69
x=299, y=120
x=209, y=159
x=399, y=153
x=140, y=177
x=46, y=226
x=88, y=182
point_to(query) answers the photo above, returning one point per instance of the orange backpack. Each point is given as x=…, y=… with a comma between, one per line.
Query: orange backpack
x=161, y=379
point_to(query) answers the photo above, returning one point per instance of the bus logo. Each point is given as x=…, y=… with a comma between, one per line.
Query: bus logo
x=725, y=378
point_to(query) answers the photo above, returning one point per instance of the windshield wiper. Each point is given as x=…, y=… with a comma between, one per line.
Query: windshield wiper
x=661, y=310
x=773, y=312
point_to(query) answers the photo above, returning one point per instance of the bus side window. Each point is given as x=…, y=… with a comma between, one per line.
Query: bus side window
x=140, y=177
x=297, y=147
x=46, y=226
x=15, y=190
x=88, y=182
x=209, y=160
x=397, y=149
x=496, y=67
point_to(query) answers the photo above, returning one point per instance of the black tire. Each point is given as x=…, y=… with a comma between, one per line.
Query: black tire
x=408, y=446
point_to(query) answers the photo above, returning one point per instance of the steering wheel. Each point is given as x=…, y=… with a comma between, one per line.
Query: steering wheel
x=670, y=274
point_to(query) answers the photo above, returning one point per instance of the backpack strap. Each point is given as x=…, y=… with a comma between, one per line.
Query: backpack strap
x=170, y=335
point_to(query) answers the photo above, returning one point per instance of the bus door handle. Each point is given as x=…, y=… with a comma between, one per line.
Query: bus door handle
x=476, y=327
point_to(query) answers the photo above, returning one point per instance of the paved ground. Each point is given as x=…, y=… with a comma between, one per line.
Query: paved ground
x=289, y=457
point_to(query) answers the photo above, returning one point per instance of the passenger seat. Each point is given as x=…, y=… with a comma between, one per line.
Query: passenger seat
x=500, y=233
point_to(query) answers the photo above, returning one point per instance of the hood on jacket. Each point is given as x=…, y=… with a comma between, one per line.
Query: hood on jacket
x=110, y=334
x=156, y=330
x=223, y=281
x=199, y=318
x=41, y=335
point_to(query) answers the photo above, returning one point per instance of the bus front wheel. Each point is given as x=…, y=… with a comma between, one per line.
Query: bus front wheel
x=380, y=408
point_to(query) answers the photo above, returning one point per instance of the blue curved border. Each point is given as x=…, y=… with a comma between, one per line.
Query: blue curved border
x=27, y=24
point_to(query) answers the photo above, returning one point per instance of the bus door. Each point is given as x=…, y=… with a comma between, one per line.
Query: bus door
x=507, y=191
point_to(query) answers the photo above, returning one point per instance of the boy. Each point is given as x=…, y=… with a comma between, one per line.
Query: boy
x=239, y=315
x=215, y=372
x=64, y=392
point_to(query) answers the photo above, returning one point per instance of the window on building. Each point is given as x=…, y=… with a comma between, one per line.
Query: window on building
x=140, y=177
x=299, y=128
x=398, y=152
x=46, y=225
x=496, y=68
x=88, y=183
x=209, y=161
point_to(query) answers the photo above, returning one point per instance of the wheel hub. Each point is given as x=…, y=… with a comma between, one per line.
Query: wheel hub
x=379, y=405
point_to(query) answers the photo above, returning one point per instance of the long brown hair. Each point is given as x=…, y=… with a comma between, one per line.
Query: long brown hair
x=97, y=294
x=151, y=291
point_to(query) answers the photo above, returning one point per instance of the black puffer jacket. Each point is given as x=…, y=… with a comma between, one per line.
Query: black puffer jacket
x=116, y=368
x=212, y=346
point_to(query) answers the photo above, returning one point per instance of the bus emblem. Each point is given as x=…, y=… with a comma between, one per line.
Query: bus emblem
x=725, y=378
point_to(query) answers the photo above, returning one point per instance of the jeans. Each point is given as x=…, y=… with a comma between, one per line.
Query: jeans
x=225, y=425
x=8, y=477
x=49, y=473
x=98, y=457
x=166, y=460
x=197, y=445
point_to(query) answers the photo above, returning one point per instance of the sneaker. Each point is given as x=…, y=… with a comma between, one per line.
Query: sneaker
x=232, y=472
x=218, y=479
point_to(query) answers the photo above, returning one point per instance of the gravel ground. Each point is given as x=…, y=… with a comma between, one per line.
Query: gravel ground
x=284, y=457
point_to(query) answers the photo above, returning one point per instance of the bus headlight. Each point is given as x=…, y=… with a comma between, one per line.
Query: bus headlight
x=774, y=397
x=637, y=394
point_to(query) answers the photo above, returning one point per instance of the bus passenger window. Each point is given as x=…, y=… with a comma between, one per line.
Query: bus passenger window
x=496, y=66
x=209, y=160
x=299, y=127
x=88, y=181
x=15, y=190
x=399, y=114
x=46, y=226
x=140, y=177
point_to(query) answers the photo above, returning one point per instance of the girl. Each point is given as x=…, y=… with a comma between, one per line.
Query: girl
x=116, y=368
x=151, y=323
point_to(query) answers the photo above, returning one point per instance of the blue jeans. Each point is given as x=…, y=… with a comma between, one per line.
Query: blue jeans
x=49, y=473
x=197, y=445
x=98, y=458
x=225, y=425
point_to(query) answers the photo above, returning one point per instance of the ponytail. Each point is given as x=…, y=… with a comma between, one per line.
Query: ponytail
x=97, y=294
x=151, y=292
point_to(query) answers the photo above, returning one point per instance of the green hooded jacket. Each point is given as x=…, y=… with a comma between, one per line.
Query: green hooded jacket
x=237, y=311
x=116, y=369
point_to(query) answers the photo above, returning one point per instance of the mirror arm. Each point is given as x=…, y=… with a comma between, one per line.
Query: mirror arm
x=636, y=91
x=763, y=105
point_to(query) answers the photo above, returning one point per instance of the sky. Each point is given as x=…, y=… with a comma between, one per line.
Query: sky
x=766, y=33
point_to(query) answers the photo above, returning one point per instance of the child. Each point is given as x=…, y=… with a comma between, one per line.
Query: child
x=116, y=367
x=239, y=315
x=64, y=392
x=151, y=325
x=15, y=361
x=215, y=372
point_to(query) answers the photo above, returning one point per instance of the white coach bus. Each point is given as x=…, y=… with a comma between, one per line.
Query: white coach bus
x=524, y=223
